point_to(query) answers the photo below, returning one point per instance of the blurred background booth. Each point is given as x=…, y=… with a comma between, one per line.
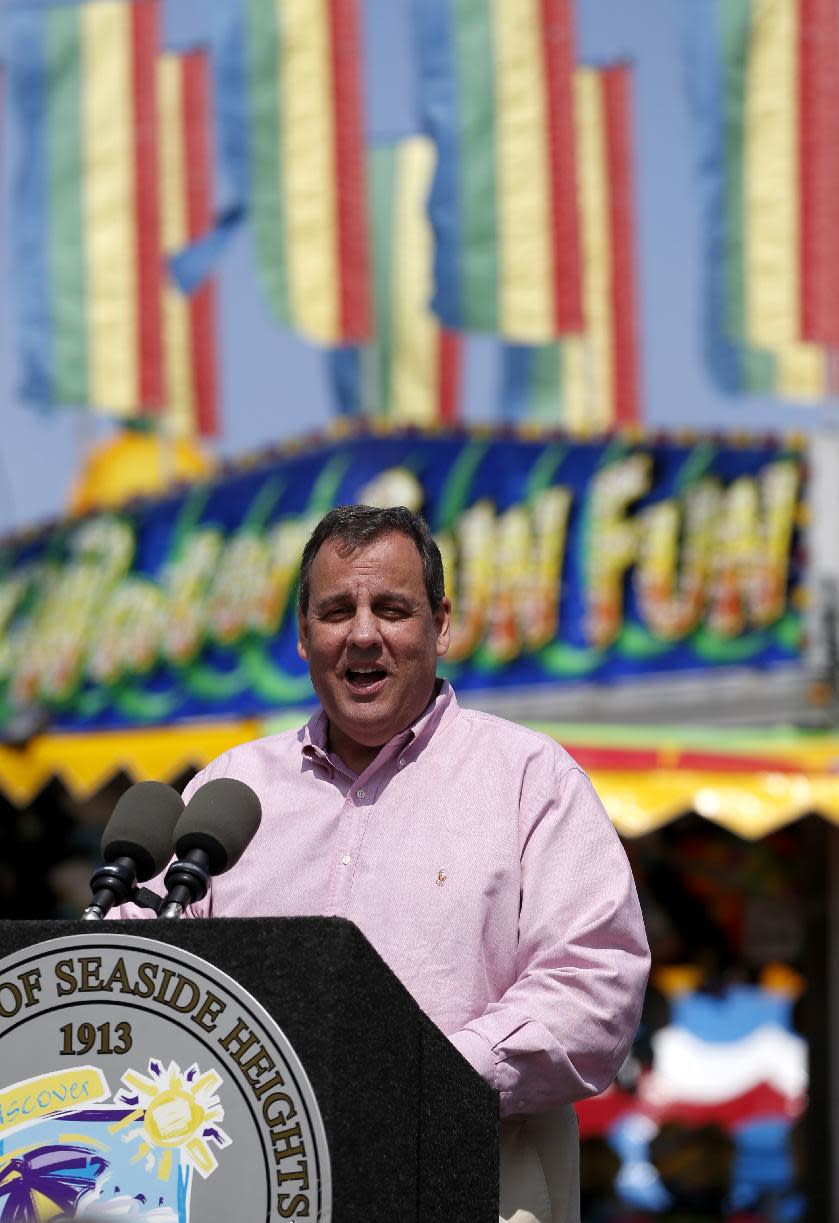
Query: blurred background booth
x=640, y=599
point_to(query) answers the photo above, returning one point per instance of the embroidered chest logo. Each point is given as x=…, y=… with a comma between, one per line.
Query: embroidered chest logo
x=441, y=877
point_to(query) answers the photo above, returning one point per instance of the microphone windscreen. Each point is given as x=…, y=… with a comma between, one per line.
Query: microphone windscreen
x=142, y=826
x=221, y=818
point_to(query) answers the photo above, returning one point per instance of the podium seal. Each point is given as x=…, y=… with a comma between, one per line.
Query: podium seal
x=138, y=1082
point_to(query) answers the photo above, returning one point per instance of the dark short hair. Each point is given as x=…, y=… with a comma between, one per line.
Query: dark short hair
x=356, y=526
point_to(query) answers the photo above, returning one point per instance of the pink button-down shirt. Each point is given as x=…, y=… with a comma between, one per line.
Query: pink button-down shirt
x=479, y=862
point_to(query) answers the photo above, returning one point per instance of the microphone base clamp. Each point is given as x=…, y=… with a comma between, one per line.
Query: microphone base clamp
x=172, y=909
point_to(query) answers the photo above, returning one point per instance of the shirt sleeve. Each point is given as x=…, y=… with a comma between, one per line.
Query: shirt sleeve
x=564, y=1027
x=157, y=885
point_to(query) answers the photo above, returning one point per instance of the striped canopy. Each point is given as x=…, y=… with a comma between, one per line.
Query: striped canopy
x=750, y=782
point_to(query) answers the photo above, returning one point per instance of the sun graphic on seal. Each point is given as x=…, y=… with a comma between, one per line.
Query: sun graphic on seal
x=172, y=1111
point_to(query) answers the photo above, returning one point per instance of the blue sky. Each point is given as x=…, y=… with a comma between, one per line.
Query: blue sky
x=274, y=383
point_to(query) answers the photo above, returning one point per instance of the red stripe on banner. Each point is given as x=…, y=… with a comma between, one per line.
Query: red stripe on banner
x=645, y=759
x=199, y=194
x=719, y=762
x=559, y=59
x=616, y=86
x=759, y=1103
x=818, y=85
x=599, y=1114
x=353, y=248
x=144, y=36
x=624, y=758
x=449, y=354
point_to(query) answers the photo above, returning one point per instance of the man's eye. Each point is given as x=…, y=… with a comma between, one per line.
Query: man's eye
x=335, y=613
x=392, y=613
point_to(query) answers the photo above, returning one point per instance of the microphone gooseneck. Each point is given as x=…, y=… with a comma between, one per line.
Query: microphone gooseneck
x=112, y=883
x=187, y=881
x=136, y=844
x=217, y=825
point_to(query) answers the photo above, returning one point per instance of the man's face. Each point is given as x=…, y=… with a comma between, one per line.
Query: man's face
x=371, y=641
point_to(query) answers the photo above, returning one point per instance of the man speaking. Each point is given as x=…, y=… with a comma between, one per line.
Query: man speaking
x=472, y=853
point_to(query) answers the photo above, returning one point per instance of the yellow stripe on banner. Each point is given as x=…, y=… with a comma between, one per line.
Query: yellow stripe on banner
x=772, y=223
x=174, y=226
x=771, y=176
x=307, y=150
x=575, y=382
x=413, y=369
x=524, y=218
x=109, y=207
x=589, y=357
x=801, y=371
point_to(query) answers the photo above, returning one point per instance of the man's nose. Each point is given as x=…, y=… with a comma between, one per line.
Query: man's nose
x=364, y=629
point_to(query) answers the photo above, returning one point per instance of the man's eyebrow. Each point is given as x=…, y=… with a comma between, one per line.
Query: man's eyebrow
x=394, y=596
x=338, y=597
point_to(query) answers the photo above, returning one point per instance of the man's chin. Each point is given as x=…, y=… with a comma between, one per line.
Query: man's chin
x=368, y=723
x=367, y=726
x=369, y=720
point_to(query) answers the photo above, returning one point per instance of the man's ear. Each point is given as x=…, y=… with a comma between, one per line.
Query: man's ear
x=442, y=622
x=302, y=636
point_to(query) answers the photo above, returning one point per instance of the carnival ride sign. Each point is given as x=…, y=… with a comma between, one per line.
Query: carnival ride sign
x=138, y=1082
x=564, y=560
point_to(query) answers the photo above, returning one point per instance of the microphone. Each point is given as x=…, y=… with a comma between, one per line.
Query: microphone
x=136, y=844
x=218, y=824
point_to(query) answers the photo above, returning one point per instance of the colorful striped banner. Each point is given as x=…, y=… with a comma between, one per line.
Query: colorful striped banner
x=291, y=133
x=183, y=107
x=85, y=226
x=411, y=371
x=590, y=382
x=496, y=97
x=764, y=90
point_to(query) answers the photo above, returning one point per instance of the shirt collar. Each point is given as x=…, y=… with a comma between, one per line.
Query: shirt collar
x=441, y=708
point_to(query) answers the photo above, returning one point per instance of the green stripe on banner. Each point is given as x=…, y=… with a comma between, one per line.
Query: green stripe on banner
x=474, y=59
x=66, y=251
x=735, y=16
x=734, y=742
x=383, y=170
x=263, y=58
x=758, y=370
x=547, y=383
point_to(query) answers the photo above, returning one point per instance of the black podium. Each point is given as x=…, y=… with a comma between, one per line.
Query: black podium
x=412, y=1131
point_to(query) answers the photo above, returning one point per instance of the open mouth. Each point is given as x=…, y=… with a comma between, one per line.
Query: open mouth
x=366, y=679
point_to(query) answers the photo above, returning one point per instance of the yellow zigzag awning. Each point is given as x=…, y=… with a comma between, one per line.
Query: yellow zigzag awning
x=86, y=762
x=748, y=781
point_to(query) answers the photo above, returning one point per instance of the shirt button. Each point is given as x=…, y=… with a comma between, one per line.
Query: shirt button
x=402, y=763
x=346, y=859
x=359, y=794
